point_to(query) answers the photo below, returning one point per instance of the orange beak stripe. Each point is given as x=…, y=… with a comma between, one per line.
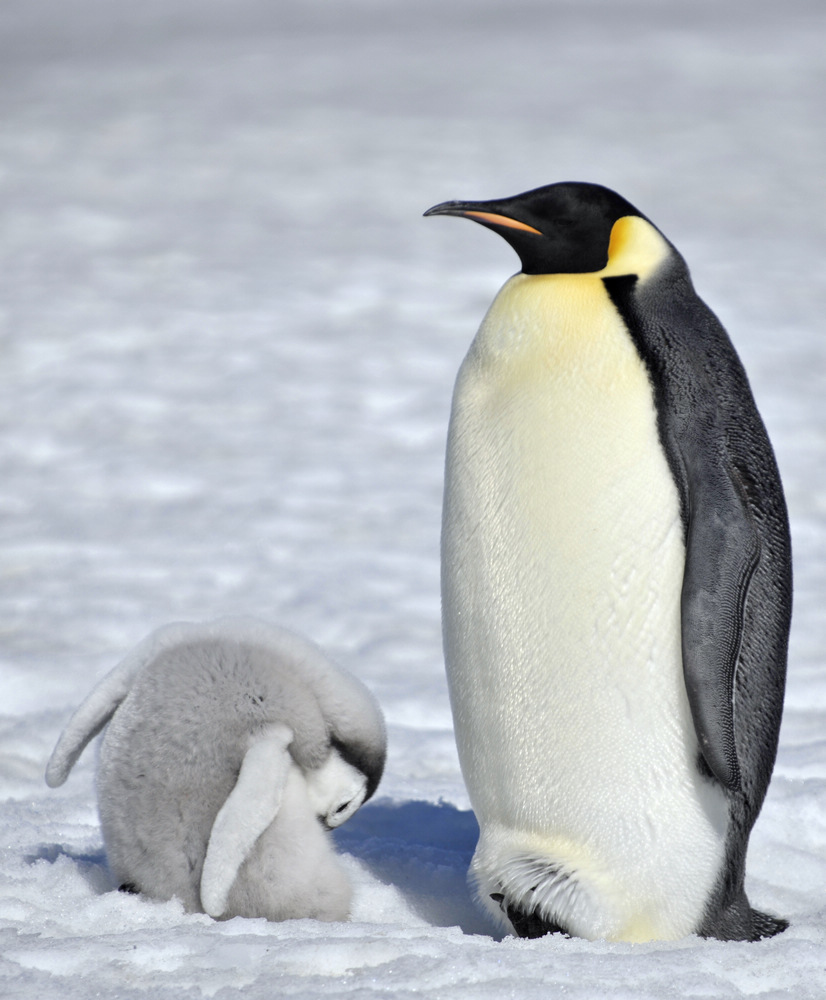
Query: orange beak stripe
x=502, y=220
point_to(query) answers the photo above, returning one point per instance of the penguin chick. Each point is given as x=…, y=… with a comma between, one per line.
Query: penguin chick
x=230, y=749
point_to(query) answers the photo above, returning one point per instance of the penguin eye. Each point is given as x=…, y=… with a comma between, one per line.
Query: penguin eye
x=336, y=790
x=336, y=816
x=341, y=813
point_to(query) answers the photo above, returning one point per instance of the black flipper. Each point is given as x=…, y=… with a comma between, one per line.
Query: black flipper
x=722, y=553
x=734, y=519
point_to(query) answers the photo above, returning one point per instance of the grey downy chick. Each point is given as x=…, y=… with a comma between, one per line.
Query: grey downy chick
x=231, y=748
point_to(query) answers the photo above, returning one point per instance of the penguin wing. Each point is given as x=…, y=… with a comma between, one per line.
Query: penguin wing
x=720, y=456
x=98, y=708
x=722, y=553
x=102, y=701
x=249, y=809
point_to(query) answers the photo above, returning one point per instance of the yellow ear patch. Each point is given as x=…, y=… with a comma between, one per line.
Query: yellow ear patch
x=502, y=220
x=622, y=236
x=635, y=247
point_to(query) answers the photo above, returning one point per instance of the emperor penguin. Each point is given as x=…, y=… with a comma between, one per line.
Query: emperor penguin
x=231, y=749
x=616, y=584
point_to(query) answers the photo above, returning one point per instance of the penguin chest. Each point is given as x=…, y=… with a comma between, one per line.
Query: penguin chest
x=563, y=559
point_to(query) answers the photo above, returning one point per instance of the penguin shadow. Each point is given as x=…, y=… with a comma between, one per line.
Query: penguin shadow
x=423, y=850
x=91, y=865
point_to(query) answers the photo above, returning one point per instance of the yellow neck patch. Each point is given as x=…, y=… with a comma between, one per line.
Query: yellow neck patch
x=635, y=247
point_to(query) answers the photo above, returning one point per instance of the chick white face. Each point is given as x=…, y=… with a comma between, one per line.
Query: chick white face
x=336, y=790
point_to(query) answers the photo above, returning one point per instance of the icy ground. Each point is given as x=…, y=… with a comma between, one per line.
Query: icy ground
x=227, y=346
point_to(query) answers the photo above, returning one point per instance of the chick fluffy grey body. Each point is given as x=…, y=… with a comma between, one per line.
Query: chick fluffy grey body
x=230, y=746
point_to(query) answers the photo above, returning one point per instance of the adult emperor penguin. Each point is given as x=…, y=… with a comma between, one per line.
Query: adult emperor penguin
x=616, y=584
x=231, y=747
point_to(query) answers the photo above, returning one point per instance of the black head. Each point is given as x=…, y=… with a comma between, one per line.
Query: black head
x=559, y=229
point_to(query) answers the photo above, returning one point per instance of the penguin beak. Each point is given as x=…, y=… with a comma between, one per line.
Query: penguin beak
x=469, y=211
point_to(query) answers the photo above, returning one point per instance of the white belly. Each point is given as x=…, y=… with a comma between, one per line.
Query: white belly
x=563, y=560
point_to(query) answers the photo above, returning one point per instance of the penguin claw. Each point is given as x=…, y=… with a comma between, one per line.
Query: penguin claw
x=764, y=925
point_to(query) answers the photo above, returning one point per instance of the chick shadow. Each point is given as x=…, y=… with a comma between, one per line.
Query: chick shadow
x=423, y=850
x=90, y=865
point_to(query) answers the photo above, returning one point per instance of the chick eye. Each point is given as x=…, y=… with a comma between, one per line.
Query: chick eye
x=337, y=815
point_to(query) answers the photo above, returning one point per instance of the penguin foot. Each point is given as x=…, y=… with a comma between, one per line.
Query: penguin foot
x=739, y=922
x=527, y=925
x=764, y=925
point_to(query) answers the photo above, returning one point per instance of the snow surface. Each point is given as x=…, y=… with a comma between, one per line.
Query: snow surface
x=227, y=346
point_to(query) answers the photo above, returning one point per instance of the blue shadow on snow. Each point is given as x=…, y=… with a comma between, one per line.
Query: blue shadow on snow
x=421, y=848
x=424, y=850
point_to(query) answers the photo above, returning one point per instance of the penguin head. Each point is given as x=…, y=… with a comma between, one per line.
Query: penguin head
x=336, y=790
x=562, y=228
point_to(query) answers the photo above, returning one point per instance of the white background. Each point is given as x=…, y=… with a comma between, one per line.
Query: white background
x=227, y=346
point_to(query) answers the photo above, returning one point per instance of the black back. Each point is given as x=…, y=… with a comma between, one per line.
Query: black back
x=737, y=587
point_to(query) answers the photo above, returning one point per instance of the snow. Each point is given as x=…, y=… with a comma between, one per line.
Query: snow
x=227, y=345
